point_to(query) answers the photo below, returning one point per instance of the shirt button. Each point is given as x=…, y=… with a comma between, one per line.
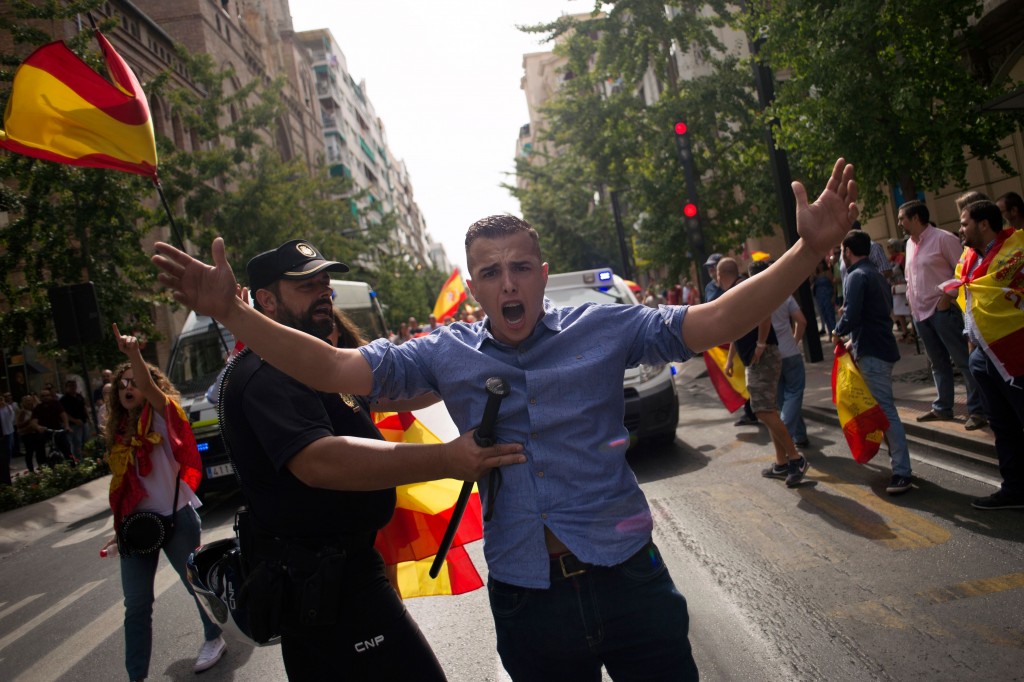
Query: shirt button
x=543, y=516
x=533, y=434
x=533, y=401
x=540, y=474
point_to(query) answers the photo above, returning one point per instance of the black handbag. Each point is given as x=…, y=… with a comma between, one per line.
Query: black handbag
x=146, y=532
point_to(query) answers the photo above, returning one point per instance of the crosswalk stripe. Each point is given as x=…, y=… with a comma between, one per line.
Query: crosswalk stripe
x=48, y=613
x=14, y=607
x=61, y=659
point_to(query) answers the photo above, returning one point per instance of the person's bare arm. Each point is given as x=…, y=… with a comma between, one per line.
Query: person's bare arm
x=798, y=322
x=349, y=463
x=129, y=345
x=821, y=226
x=212, y=290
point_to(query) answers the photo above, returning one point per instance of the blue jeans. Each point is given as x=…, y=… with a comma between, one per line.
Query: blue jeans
x=629, y=617
x=138, y=573
x=1004, y=404
x=878, y=376
x=826, y=309
x=944, y=343
x=792, y=382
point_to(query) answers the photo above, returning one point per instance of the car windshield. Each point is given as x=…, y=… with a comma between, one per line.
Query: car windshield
x=198, y=359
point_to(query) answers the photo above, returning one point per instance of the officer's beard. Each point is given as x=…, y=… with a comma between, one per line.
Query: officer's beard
x=306, y=323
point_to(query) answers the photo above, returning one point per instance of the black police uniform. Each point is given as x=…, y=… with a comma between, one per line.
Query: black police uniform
x=343, y=620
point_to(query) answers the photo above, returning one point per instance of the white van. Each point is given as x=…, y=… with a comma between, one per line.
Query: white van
x=198, y=357
x=652, y=404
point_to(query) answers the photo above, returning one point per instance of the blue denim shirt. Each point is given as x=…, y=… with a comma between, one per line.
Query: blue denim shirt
x=566, y=407
x=867, y=304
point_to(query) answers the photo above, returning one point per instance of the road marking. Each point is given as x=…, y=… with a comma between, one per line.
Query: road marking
x=61, y=659
x=48, y=613
x=973, y=588
x=14, y=607
x=890, y=525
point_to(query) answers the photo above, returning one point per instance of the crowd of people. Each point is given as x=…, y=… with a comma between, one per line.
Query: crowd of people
x=47, y=420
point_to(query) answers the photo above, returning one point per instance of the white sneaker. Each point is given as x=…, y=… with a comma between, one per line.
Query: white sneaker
x=209, y=654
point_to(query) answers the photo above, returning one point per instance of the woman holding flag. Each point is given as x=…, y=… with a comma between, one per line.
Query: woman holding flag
x=156, y=469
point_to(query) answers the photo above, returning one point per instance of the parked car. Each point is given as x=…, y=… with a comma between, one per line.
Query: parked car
x=652, y=404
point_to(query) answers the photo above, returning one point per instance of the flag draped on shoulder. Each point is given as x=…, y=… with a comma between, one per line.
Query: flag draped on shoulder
x=422, y=511
x=453, y=293
x=991, y=293
x=62, y=110
x=732, y=391
x=863, y=422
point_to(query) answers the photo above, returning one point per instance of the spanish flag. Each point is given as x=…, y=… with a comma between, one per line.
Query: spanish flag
x=453, y=293
x=996, y=301
x=61, y=110
x=422, y=511
x=864, y=424
x=732, y=391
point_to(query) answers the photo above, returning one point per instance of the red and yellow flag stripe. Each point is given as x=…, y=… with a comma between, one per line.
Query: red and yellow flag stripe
x=61, y=110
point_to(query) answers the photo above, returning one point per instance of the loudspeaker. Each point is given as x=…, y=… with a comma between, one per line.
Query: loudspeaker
x=76, y=315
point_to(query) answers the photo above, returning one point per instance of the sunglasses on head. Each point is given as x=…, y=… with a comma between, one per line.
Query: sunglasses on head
x=125, y=383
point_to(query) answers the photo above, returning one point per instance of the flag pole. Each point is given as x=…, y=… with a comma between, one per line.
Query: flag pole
x=170, y=216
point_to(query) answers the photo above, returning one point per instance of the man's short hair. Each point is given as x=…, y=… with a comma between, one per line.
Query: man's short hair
x=985, y=210
x=858, y=242
x=1013, y=200
x=916, y=208
x=497, y=226
x=969, y=198
x=729, y=266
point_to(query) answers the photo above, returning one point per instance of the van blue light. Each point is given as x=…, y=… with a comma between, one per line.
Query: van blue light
x=604, y=276
x=202, y=447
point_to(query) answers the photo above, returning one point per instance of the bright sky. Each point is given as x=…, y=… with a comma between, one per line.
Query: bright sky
x=444, y=78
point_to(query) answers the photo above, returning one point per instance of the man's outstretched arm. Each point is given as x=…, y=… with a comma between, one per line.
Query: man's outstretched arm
x=211, y=290
x=821, y=226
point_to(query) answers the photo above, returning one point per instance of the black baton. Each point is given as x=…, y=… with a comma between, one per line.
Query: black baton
x=497, y=389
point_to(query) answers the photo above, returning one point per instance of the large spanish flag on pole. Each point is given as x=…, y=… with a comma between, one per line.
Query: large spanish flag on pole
x=732, y=391
x=422, y=511
x=61, y=110
x=864, y=424
x=453, y=293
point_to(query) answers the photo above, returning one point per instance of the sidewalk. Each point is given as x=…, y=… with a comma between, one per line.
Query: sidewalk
x=914, y=392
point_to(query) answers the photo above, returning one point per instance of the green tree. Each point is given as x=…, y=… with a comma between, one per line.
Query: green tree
x=65, y=224
x=608, y=137
x=886, y=84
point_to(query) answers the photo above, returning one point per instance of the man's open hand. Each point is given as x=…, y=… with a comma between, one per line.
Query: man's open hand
x=824, y=223
x=208, y=290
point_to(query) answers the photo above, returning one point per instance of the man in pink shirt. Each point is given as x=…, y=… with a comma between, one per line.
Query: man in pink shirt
x=932, y=255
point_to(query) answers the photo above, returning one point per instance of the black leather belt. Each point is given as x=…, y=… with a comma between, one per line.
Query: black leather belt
x=568, y=565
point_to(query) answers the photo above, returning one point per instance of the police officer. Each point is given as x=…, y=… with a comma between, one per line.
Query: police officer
x=319, y=481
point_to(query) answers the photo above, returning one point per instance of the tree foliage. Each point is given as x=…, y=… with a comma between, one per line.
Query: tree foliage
x=887, y=85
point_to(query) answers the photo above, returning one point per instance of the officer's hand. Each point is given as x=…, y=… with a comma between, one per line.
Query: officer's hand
x=467, y=461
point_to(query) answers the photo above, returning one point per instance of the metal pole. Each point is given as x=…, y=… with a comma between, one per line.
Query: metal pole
x=627, y=270
x=764, y=80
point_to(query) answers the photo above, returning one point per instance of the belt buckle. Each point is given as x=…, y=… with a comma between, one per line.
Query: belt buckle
x=566, y=571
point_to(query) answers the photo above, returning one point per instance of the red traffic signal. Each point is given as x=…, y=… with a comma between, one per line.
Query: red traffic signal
x=690, y=210
x=680, y=128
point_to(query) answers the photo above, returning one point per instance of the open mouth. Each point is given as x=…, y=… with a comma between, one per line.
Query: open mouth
x=514, y=313
x=324, y=310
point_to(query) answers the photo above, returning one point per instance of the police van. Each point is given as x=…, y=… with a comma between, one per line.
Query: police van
x=652, y=404
x=199, y=354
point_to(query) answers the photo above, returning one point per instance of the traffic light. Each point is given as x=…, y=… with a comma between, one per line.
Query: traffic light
x=690, y=210
x=682, y=143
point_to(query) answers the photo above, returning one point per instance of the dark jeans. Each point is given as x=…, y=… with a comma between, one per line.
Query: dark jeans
x=629, y=617
x=943, y=337
x=35, y=447
x=375, y=637
x=1004, y=405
